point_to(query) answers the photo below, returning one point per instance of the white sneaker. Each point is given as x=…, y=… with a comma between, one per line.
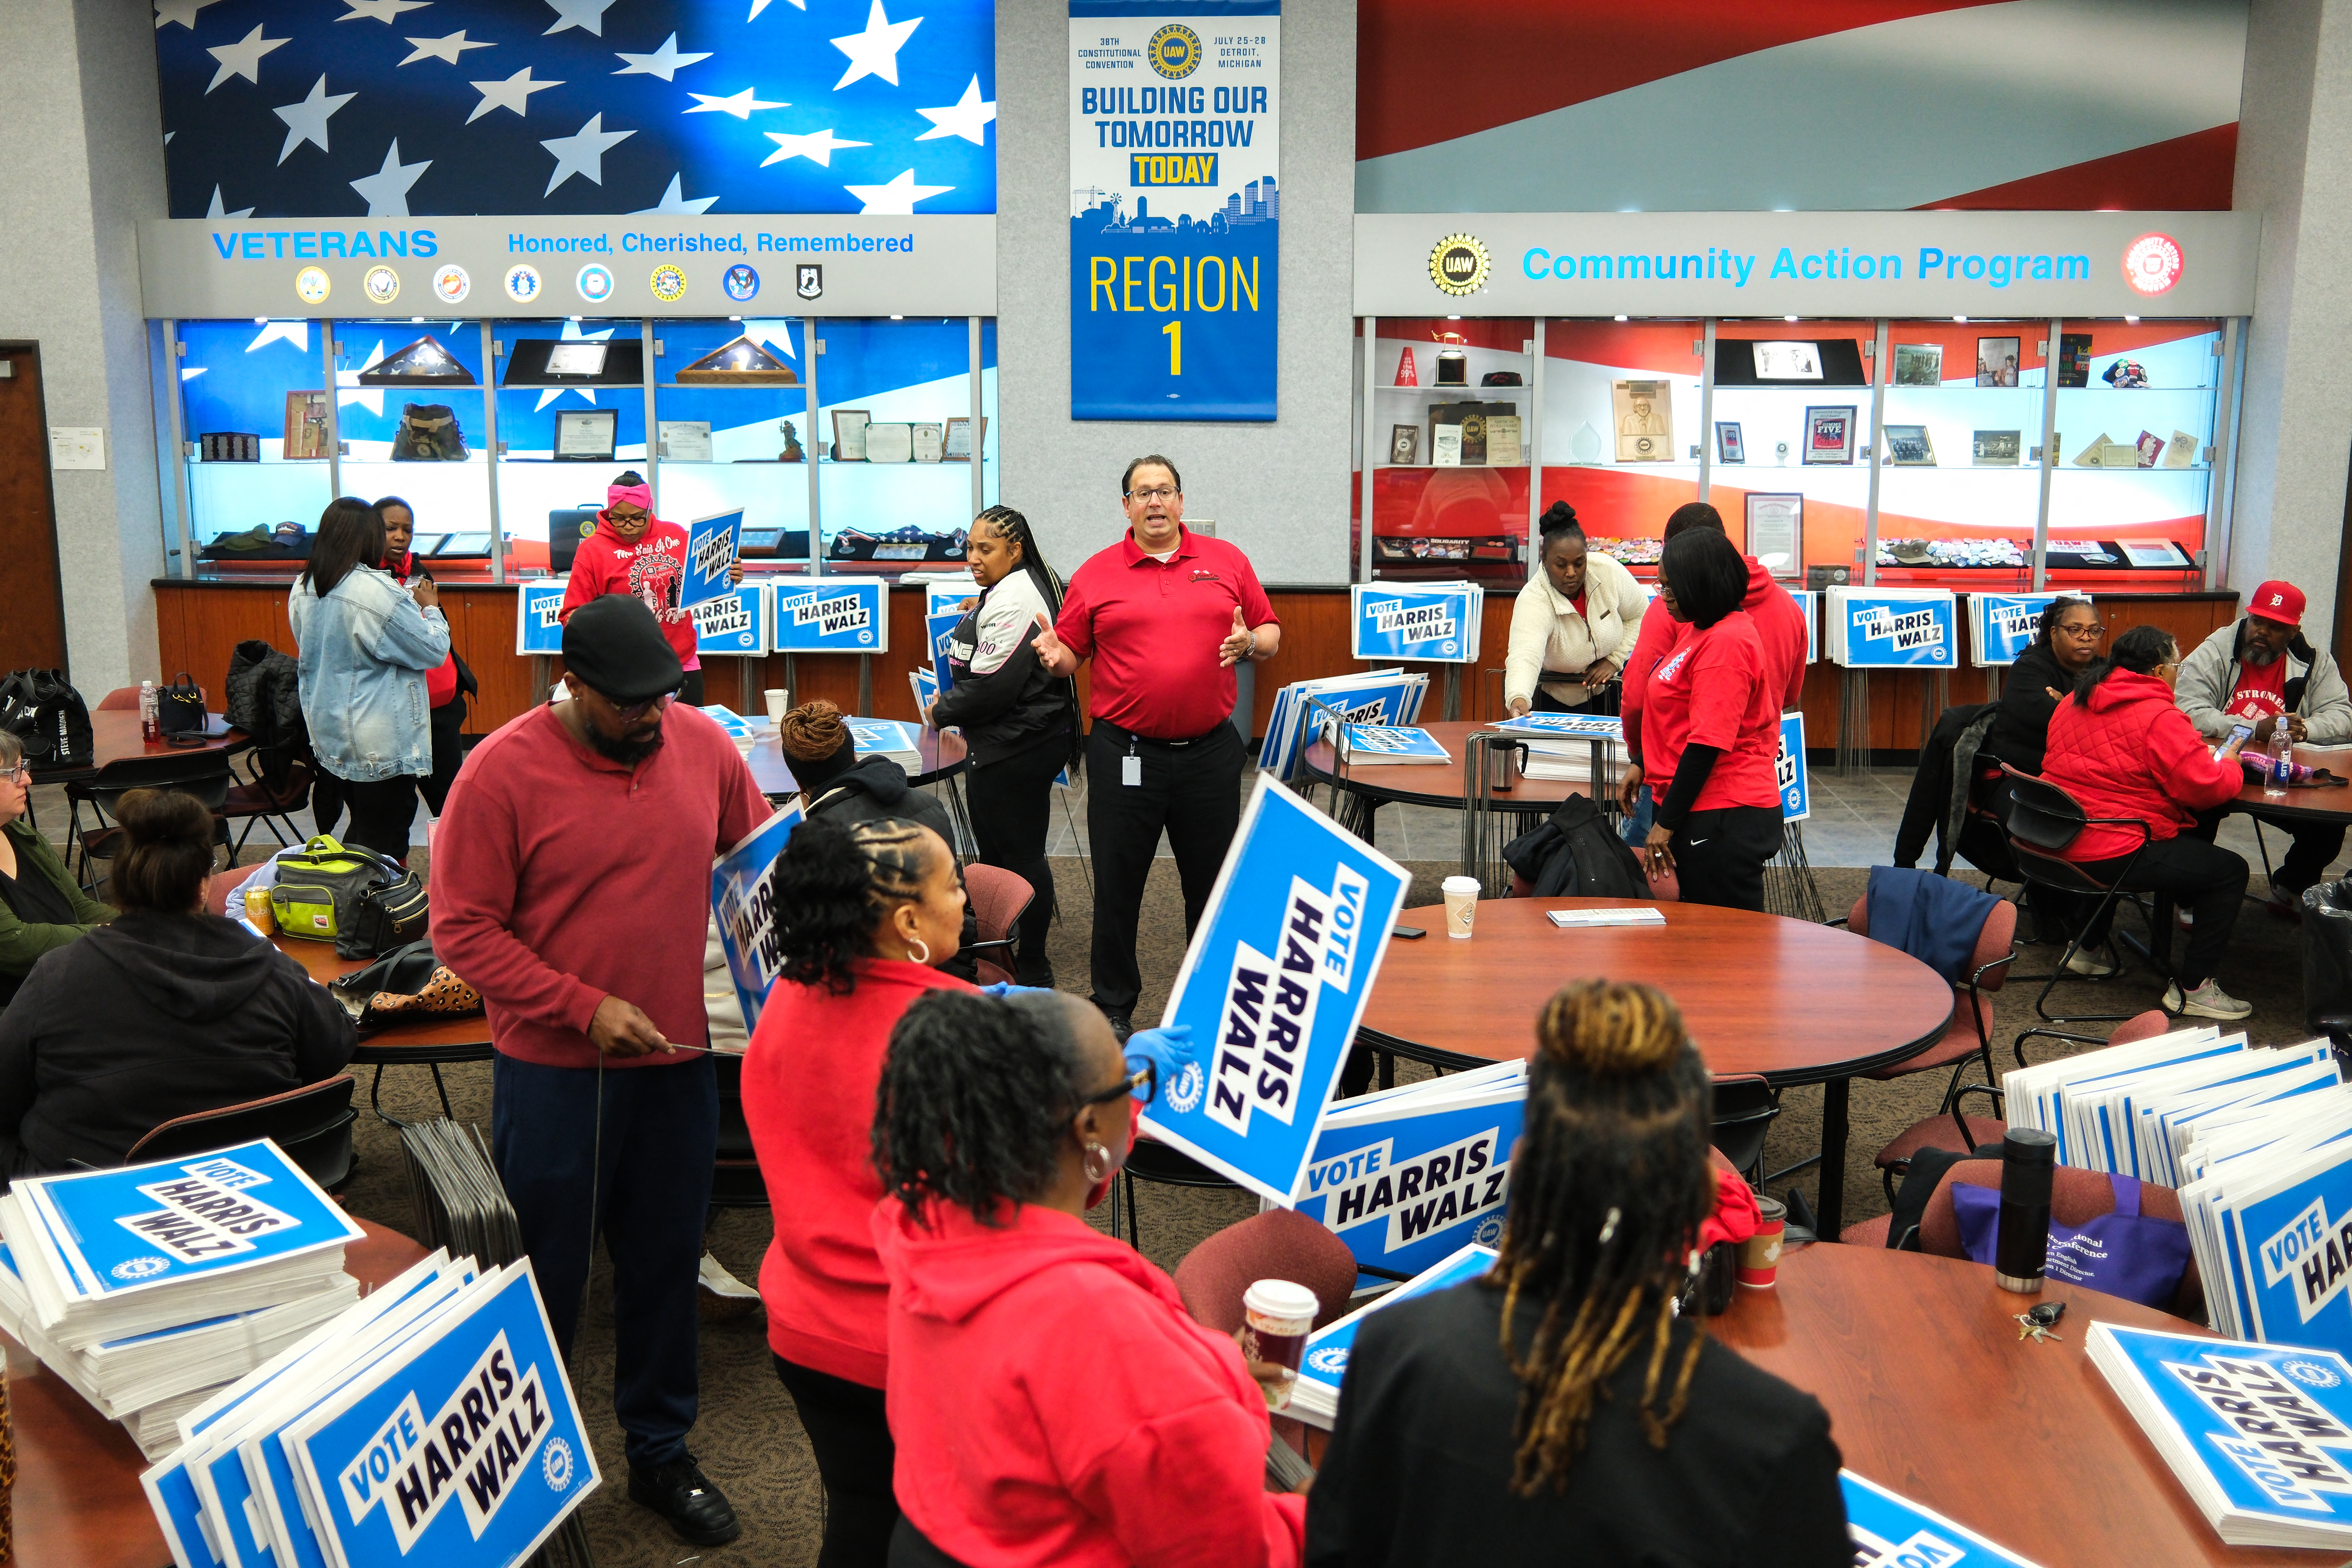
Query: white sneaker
x=2093, y=963
x=2187, y=917
x=2208, y=1001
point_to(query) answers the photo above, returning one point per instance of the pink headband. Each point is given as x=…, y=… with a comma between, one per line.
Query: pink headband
x=642, y=495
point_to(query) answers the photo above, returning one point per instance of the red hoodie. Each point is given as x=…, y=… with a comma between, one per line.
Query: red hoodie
x=1779, y=631
x=814, y=1062
x=1109, y=1429
x=651, y=567
x=2133, y=753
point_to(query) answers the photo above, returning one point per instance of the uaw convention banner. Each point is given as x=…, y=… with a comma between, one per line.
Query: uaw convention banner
x=741, y=902
x=1273, y=985
x=1175, y=216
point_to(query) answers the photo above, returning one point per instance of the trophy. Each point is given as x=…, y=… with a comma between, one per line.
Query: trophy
x=791, y=452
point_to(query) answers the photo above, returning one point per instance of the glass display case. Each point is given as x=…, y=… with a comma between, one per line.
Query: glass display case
x=243, y=386
x=1622, y=408
x=2136, y=416
x=1960, y=468
x=894, y=440
x=731, y=429
x=409, y=408
x=1449, y=438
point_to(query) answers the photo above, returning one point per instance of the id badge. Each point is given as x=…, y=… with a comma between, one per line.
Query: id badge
x=1130, y=770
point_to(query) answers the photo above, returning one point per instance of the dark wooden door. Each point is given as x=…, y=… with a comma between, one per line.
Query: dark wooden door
x=32, y=607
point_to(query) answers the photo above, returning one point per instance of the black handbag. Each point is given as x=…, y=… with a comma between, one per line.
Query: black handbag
x=180, y=707
x=48, y=717
x=407, y=984
x=391, y=914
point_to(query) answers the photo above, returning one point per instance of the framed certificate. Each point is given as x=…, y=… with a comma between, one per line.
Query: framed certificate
x=586, y=435
x=849, y=434
x=1829, y=434
x=958, y=447
x=306, y=427
x=1404, y=444
x=581, y=360
x=890, y=443
x=1728, y=447
x=1776, y=533
x=928, y=441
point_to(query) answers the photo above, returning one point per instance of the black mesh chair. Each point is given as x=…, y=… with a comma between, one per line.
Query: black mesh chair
x=204, y=774
x=1745, y=1109
x=313, y=1124
x=2044, y=820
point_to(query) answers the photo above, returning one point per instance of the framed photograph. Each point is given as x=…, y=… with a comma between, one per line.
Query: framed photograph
x=1728, y=447
x=849, y=434
x=1829, y=434
x=1644, y=411
x=586, y=435
x=1787, y=361
x=306, y=427
x=1908, y=447
x=1997, y=362
x=1776, y=533
x=1995, y=448
x=1404, y=444
x=1918, y=365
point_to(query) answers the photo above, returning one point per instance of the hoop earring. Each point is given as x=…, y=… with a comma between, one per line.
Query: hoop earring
x=1095, y=1162
x=925, y=948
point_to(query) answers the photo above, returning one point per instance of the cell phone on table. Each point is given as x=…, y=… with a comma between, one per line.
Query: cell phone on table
x=1410, y=933
x=2238, y=735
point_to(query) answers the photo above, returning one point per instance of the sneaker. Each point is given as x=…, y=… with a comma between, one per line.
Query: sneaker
x=2286, y=905
x=680, y=1493
x=722, y=1298
x=2093, y=963
x=2187, y=917
x=2208, y=1001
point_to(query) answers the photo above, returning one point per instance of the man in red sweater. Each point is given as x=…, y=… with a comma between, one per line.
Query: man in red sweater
x=571, y=887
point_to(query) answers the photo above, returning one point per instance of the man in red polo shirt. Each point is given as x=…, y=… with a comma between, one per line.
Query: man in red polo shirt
x=1165, y=614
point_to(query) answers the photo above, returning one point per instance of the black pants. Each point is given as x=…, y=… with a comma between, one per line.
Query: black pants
x=1012, y=801
x=448, y=753
x=854, y=1455
x=383, y=811
x=911, y=1548
x=2202, y=877
x=2311, y=847
x=1719, y=855
x=1191, y=789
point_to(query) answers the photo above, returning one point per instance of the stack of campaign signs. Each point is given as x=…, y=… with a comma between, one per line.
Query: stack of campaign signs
x=1892, y=629
x=892, y=738
x=1315, y=1397
x=830, y=615
x=732, y=622
x=431, y=1422
x=2002, y=627
x=461, y=1205
x=146, y=1287
x=1566, y=745
x=2256, y=1433
x=1890, y=1530
x=1388, y=746
x=741, y=904
x=1429, y=623
x=1390, y=698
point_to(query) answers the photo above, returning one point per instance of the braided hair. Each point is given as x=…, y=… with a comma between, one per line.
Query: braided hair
x=1014, y=529
x=1607, y=1189
x=976, y=1094
x=832, y=885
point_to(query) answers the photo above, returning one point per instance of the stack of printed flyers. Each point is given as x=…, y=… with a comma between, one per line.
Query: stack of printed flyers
x=1371, y=745
x=1562, y=745
x=1305, y=709
x=430, y=1422
x=892, y=738
x=146, y=1288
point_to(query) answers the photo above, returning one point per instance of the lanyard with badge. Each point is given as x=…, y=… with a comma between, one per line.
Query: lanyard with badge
x=1130, y=766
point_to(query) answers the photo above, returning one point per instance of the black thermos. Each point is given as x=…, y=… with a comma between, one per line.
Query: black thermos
x=2029, y=1160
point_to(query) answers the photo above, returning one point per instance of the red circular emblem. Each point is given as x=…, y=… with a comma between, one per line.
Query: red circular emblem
x=2152, y=263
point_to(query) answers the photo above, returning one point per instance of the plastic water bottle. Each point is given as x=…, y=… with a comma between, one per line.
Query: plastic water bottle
x=2281, y=767
x=151, y=719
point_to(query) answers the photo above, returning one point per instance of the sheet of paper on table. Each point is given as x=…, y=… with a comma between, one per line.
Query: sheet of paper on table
x=1565, y=919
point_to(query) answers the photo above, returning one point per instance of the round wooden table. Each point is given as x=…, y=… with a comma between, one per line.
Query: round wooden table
x=2305, y=805
x=114, y=736
x=1787, y=1000
x=1441, y=785
x=428, y=1042
x=943, y=752
x=1931, y=1393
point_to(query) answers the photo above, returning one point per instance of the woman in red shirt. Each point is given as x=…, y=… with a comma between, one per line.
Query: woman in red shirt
x=634, y=552
x=445, y=689
x=1052, y=1401
x=864, y=915
x=2122, y=748
x=1711, y=731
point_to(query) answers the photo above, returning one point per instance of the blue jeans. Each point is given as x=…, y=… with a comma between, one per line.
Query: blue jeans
x=652, y=1192
x=1637, y=825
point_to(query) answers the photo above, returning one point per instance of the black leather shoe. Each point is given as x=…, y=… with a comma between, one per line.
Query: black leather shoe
x=680, y=1493
x=1121, y=1025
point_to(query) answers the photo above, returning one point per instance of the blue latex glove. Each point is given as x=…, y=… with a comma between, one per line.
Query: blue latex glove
x=1006, y=988
x=1169, y=1050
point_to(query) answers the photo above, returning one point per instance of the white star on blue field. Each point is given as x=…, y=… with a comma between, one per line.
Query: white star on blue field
x=598, y=107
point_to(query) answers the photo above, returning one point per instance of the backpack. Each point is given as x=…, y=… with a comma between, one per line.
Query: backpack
x=1574, y=854
x=428, y=432
x=363, y=902
x=48, y=717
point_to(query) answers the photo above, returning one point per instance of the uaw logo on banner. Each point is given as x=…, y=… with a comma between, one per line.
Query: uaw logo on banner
x=539, y=625
x=842, y=616
x=2312, y=1252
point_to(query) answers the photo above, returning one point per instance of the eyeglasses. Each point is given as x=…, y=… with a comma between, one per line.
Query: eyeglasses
x=626, y=516
x=1158, y=493
x=20, y=774
x=627, y=713
x=2091, y=633
x=1146, y=1078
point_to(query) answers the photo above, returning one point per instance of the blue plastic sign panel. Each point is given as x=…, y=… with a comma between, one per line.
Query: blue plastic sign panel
x=740, y=897
x=732, y=625
x=1305, y=709
x=1892, y=1532
x=925, y=686
x=1273, y=985
x=1436, y=623
x=1877, y=628
x=1588, y=726
x=831, y=614
x=2290, y=1245
x=466, y=1448
x=538, y=607
x=1810, y=601
x=1796, y=784
x=1406, y=1188
x=1175, y=232
x=1325, y=1359
x=2002, y=627
x=939, y=631
x=712, y=544
x=884, y=736
x=1387, y=744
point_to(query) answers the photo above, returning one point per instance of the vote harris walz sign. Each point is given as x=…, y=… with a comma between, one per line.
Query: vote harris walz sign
x=1175, y=216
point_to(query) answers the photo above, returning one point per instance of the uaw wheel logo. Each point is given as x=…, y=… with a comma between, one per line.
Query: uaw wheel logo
x=2311, y=1373
x=1331, y=1361
x=1459, y=264
x=2152, y=263
x=139, y=1268
x=1489, y=1231
x=1183, y=1092
x=556, y=1464
x=1174, y=51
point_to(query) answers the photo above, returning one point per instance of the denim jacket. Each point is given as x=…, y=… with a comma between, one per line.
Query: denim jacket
x=365, y=650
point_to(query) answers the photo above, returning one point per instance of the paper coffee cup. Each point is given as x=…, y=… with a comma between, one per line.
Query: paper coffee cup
x=1461, y=905
x=1277, y=1317
x=1759, y=1254
x=779, y=701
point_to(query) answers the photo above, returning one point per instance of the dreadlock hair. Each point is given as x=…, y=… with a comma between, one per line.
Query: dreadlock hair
x=832, y=885
x=1014, y=529
x=976, y=1094
x=1607, y=1189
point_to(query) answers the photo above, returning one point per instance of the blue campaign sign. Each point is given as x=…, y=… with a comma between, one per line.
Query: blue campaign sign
x=1891, y=1531
x=734, y=623
x=1796, y=784
x=1328, y=1349
x=711, y=545
x=464, y=1447
x=2003, y=626
x=1809, y=601
x=831, y=614
x=1436, y=623
x=538, y=628
x=1406, y=1189
x=2288, y=1236
x=1273, y=985
x=938, y=627
x=1887, y=631
x=739, y=897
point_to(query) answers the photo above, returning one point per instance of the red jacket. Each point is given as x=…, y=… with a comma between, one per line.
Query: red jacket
x=1716, y=690
x=441, y=684
x=816, y=1061
x=2133, y=753
x=652, y=568
x=1107, y=1429
x=1779, y=631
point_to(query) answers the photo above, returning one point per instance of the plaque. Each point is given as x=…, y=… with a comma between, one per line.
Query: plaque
x=1473, y=440
x=1776, y=533
x=1504, y=448
x=586, y=435
x=1404, y=445
x=1918, y=365
x=929, y=442
x=1995, y=448
x=306, y=427
x=576, y=359
x=1829, y=434
x=741, y=362
x=1728, y=447
x=849, y=434
x=1644, y=413
x=958, y=440
x=1997, y=362
x=1908, y=447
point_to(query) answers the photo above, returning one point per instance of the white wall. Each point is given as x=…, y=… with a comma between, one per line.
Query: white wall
x=82, y=161
x=2295, y=166
x=1278, y=491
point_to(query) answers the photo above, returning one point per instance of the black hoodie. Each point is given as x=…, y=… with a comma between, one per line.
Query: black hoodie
x=167, y=1015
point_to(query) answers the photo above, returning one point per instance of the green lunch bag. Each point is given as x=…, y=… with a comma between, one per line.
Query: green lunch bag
x=363, y=902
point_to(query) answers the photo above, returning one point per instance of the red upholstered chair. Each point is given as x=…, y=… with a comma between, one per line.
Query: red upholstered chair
x=2075, y=1198
x=1966, y=1038
x=122, y=698
x=1280, y=1243
x=999, y=898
